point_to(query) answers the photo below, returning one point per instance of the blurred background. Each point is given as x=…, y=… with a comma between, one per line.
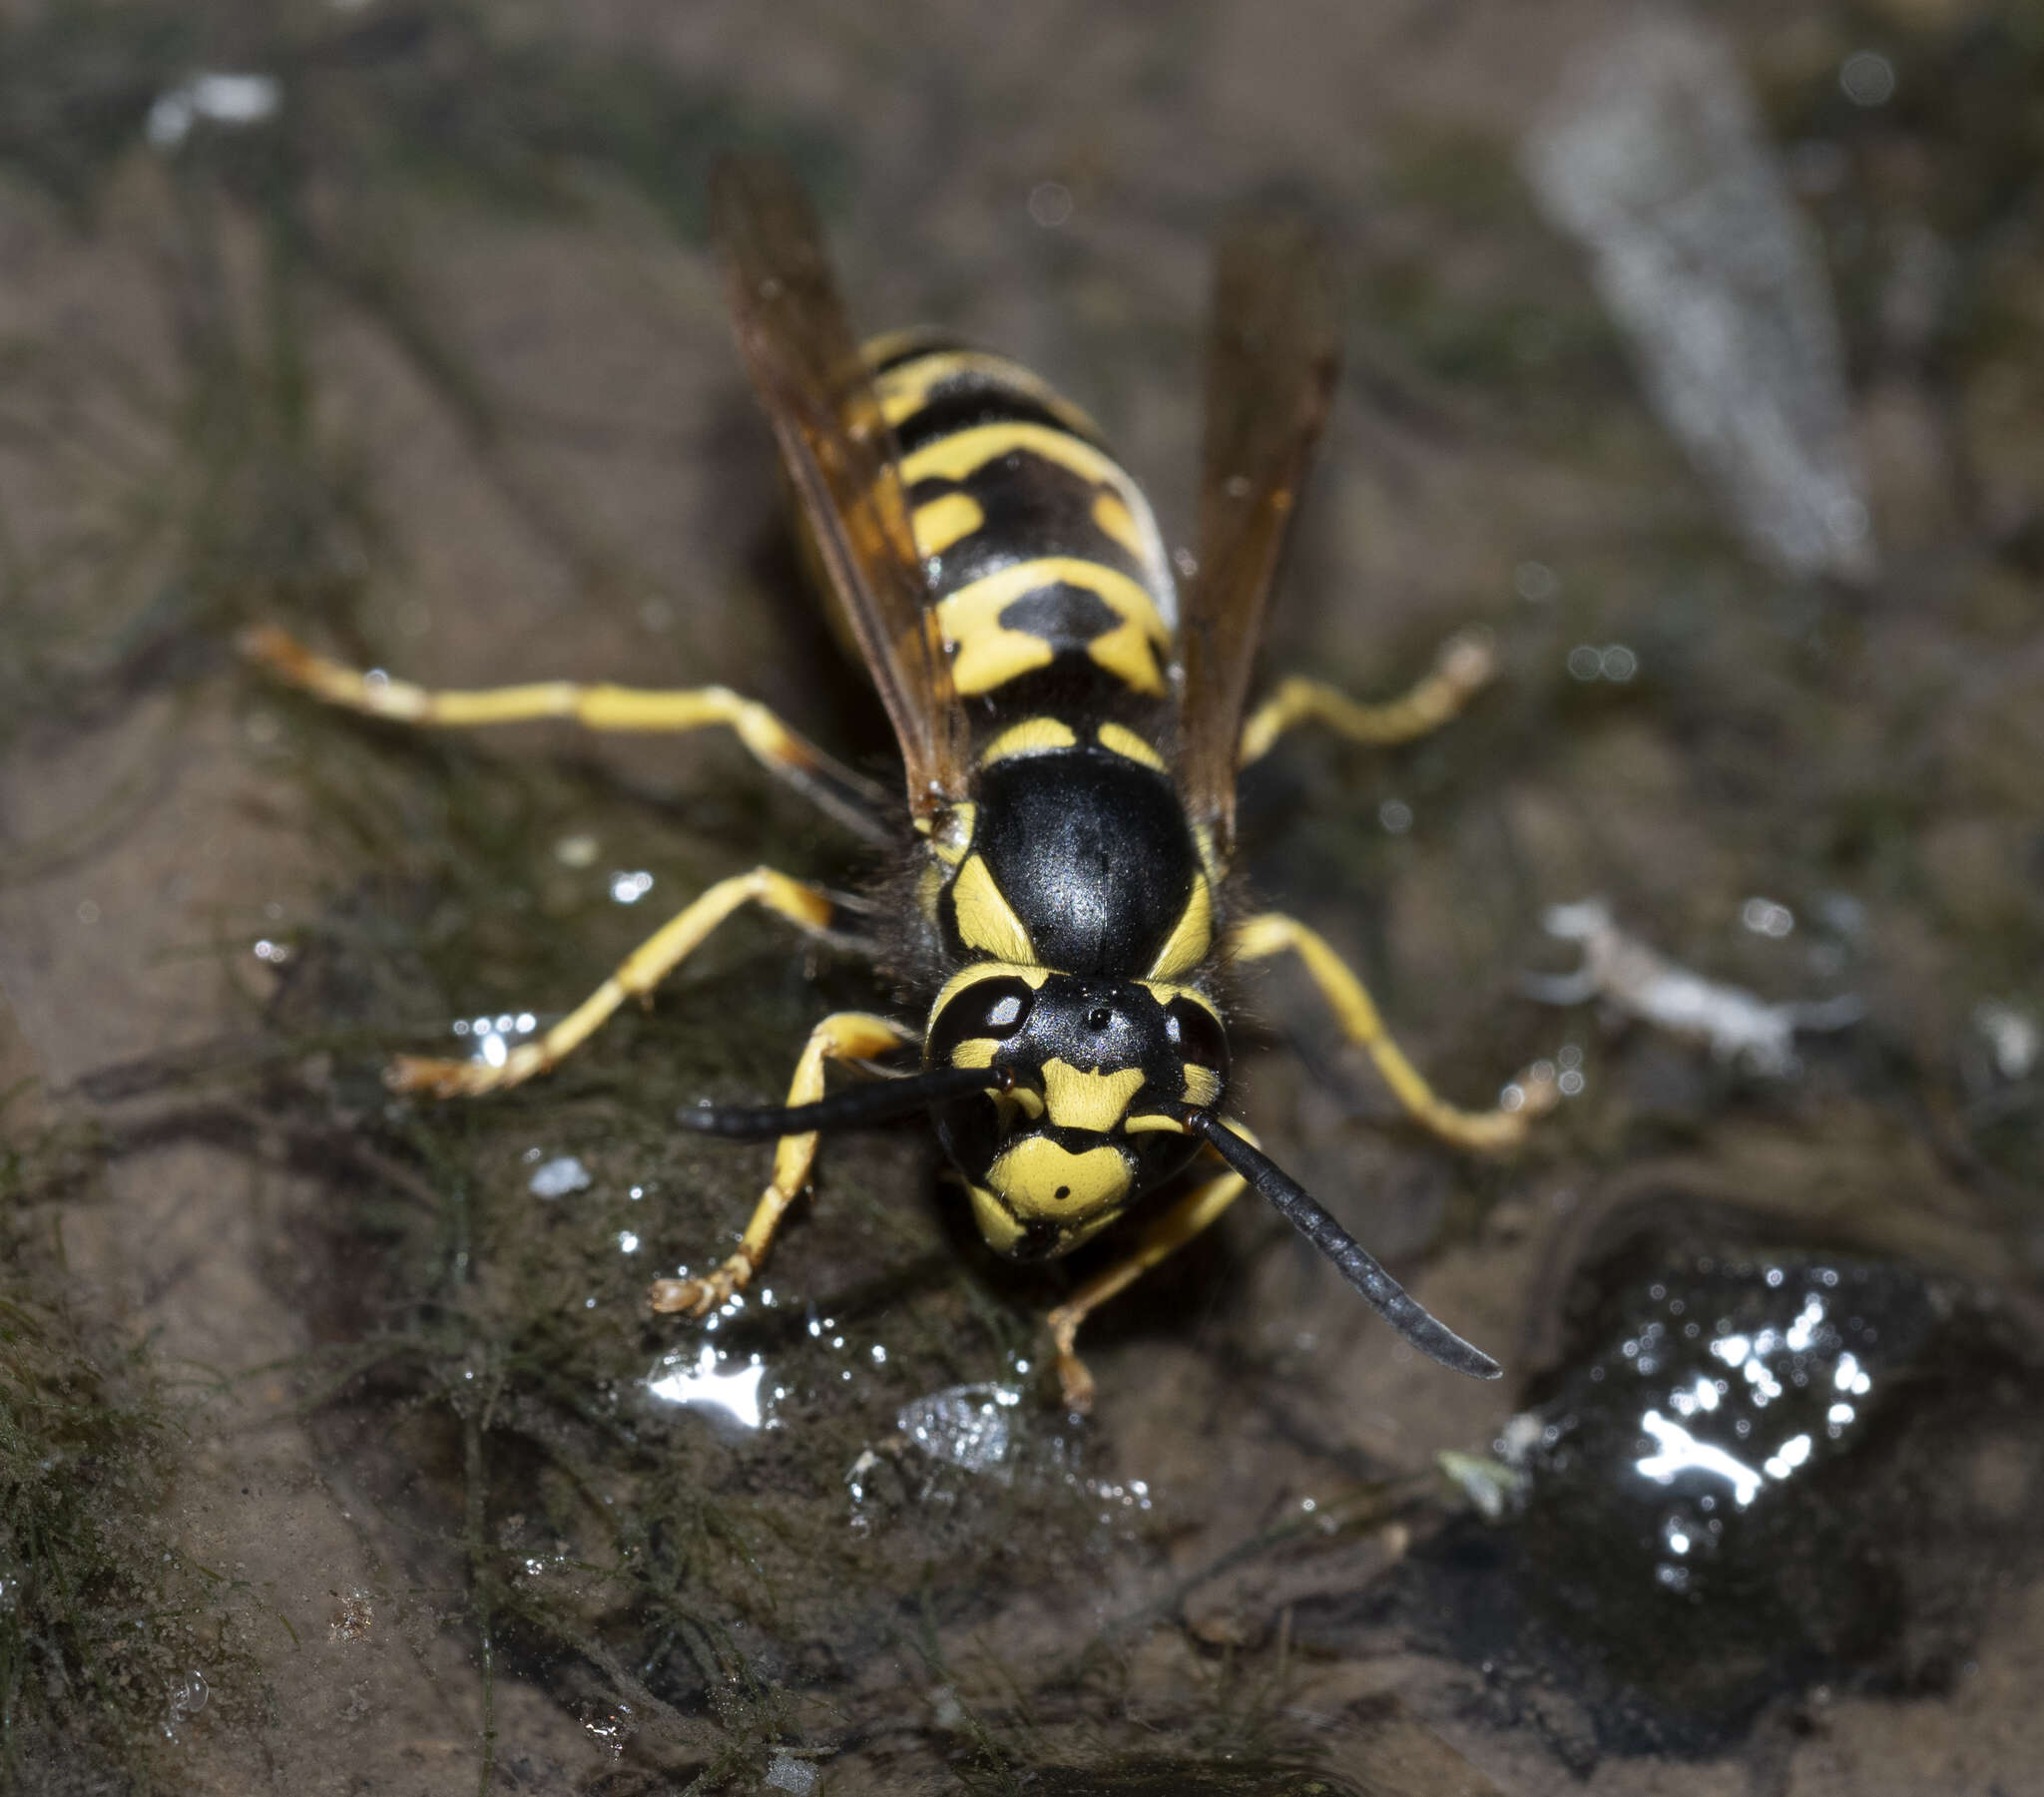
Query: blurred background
x=1694, y=352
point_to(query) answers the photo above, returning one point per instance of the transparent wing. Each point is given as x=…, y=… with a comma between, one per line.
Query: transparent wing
x=1273, y=352
x=805, y=361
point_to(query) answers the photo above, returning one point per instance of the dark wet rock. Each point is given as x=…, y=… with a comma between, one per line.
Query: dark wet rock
x=1754, y=1475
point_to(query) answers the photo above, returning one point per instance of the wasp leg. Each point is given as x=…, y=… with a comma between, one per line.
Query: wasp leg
x=1489, y=1132
x=846, y=1035
x=1172, y=1230
x=636, y=975
x=854, y=801
x=1467, y=663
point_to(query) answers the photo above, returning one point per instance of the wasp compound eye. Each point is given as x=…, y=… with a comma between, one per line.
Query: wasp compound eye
x=1196, y=1035
x=986, y=1011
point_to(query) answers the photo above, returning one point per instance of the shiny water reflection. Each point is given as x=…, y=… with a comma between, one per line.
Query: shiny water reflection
x=703, y=1379
x=1748, y=1378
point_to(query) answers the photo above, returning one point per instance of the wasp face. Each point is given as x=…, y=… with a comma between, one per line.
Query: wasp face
x=1100, y=1070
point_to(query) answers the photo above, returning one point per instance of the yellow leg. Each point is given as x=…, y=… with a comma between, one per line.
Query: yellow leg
x=596, y=708
x=636, y=975
x=1172, y=1230
x=1468, y=661
x=1258, y=938
x=848, y=1036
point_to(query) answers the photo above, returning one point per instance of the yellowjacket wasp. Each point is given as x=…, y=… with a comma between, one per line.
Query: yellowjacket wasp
x=1071, y=726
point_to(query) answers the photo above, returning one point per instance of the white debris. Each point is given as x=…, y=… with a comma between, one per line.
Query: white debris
x=786, y=1773
x=2012, y=1038
x=556, y=1178
x=220, y=99
x=1489, y=1485
x=1651, y=155
x=1628, y=975
x=965, y=1425
x=1519, y=1437
x=855, y=1480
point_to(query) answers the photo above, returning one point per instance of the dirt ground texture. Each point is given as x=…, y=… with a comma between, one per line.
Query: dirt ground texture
x=338, y=1459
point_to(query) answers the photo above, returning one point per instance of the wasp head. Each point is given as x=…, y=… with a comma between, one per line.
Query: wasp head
x=1098, y=1074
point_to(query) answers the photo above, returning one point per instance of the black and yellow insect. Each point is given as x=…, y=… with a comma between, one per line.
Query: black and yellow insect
x=1071, y=726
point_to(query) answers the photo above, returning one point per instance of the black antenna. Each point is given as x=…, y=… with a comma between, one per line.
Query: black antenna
x=885, y=1102
x=1385, y=1295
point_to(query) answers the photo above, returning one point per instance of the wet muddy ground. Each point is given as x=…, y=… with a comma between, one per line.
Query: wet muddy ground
x=339, y=1451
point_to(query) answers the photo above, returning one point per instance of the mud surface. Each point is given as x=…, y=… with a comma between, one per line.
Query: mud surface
x=338, y=1451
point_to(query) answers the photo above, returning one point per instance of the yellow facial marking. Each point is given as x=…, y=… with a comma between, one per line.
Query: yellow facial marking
x=1032, y=977
x=1163, y=993
x=1081, y=1101
x=1119, y=740
x=1032, y=736
x=944, y=522
x=1036, y=1178
x=986, y=921
x=1073, y=1235
x=1191, y=937
x=988, y=654
x=997, y=1228
x=975, y=1051
x=1023, y=1099
x=1114, y=519
x=1147, y=1126
x=1202, y=1086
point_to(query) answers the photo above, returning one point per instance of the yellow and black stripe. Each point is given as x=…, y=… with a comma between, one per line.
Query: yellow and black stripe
x=1053, y=597
x=1043, y=559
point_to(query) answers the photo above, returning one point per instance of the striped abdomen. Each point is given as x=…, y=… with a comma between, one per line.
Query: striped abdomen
x=1045, y=566
x=1054, y=597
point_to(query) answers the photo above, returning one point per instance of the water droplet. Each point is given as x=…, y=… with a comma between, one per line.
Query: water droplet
x=558, y=1177
x=1867, y=78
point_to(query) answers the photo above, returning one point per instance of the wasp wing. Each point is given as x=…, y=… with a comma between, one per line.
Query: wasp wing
x=840, y=455
x=1273, y=355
